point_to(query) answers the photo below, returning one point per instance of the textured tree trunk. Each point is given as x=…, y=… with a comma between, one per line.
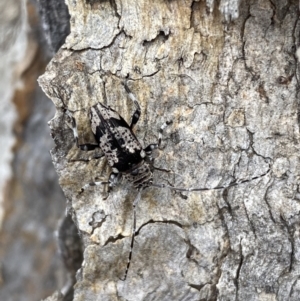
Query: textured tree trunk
x=230, y=89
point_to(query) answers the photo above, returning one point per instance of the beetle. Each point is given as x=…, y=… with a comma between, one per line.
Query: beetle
x=125, y=154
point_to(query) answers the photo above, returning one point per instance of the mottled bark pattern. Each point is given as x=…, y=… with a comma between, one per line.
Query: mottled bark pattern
x=231, y=91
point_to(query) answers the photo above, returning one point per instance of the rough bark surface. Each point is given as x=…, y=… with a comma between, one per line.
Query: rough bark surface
x=231, y=91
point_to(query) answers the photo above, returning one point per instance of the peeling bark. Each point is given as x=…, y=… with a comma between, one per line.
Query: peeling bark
x=231, y=91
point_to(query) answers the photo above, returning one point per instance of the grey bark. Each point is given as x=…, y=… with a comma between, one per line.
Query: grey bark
x=231, y=90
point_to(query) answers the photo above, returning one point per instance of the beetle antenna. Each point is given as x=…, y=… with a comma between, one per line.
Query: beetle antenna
x=137, y=199
x=238, y=182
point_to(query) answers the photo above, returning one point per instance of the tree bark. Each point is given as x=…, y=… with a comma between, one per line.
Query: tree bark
x=230, y=89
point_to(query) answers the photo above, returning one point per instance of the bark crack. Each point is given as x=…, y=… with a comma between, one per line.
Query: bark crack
x=162, y=37
x=293, y=285
x=244, y=41
x=291, y=240
x=198, y=287
x=191, y=250
x=226, y=251
x=250, y=221
x=115, y=8
x=268, y=205
x=237, y=277
x=113, y=239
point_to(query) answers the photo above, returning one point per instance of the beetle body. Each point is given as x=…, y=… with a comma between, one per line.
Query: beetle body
x=120, y=146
